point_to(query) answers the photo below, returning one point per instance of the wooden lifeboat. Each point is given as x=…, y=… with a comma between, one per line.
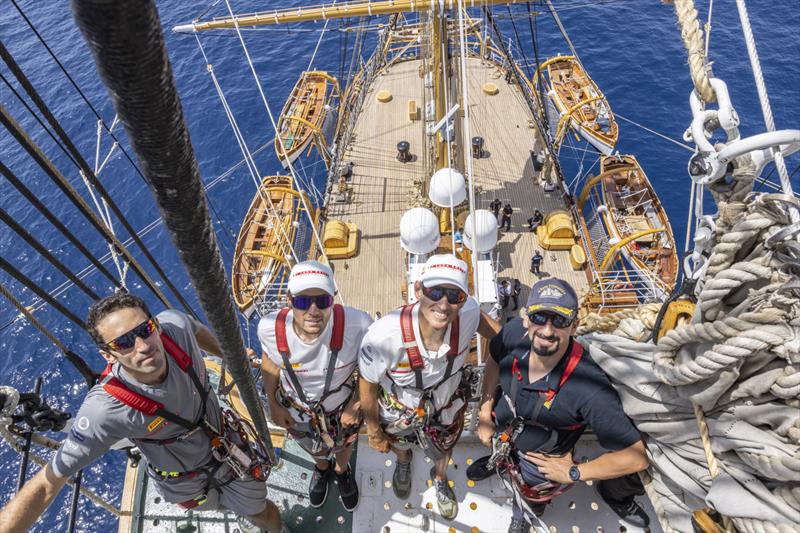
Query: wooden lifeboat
x=260, y=264
x=636, y=222
x=580, y=103
x=303, y=116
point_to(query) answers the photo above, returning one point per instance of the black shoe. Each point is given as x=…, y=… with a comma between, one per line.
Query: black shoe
x=478, y=471
x=518, y=525
x=401, y=479
x=629, y=512
x=538, y=508
x=318, y=488
x=348, y=489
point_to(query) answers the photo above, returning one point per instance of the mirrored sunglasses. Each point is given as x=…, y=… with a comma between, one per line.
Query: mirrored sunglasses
x=127, y=340
x=303, y=303
x=454, y=296
x=540, y=318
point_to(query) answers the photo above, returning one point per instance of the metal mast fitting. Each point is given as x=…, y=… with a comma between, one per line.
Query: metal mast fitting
x=128, y=47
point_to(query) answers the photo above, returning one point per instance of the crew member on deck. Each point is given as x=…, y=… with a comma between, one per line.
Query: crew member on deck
x=151, y=359
x=506, y=220
x=413, y=384
x=309, y=366
x=550, y=392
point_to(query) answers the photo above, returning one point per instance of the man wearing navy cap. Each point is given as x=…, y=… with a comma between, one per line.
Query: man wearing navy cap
x=550, y=392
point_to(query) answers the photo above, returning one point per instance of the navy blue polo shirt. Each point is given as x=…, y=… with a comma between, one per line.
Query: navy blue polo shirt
x=586, y=398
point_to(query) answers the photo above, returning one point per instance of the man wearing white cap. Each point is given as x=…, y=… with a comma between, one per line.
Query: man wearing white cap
x=412, y=381
x=310, y=358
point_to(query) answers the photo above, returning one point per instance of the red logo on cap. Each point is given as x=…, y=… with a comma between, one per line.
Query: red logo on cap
x=445, y=265
x=304, y=272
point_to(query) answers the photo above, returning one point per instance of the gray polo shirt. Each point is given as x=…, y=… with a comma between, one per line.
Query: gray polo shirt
x=103, y=420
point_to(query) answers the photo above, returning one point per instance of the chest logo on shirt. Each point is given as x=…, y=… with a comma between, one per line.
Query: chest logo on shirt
x=83, y=423
x=295, y=366
x=155, y=423
x=404, y=364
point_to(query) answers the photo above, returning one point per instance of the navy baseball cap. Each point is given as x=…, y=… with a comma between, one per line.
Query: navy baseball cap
x=554, y=295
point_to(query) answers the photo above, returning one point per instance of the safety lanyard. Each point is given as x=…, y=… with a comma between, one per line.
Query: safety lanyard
x=412, y=348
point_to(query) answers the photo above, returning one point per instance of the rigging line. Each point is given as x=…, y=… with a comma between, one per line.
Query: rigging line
x=11, y=177
x=519, y=41
x=251, y=164
x=77, y=87
x=77, y=361
x=564, y=33
x=277, y=133
x=319, y=41
x=539, y=82
x=36, y=305
x=41, y=293
x=53, y=173
x=87, y=172
x=44, y=252
x=654, y=132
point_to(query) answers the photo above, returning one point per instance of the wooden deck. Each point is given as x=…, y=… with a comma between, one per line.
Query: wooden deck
x=373, y=279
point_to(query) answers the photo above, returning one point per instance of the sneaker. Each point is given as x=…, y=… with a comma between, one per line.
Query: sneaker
x=348, y=489
x=246, y=526
x=518, y=525
x=478, y=471
x=445, y=497
x=318, y=488
x=538, y=508
x=401, y=479
x=630, y=512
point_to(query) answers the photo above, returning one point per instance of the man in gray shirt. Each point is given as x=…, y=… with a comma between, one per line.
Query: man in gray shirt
x=144, y=360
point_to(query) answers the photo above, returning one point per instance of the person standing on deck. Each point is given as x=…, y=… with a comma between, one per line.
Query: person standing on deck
x=413, y=382
x=309, y=364
x=496, y=205
x=515, y=290
x=536, y=262
x=506, y=221
x=504, y=291
x=550, y=392
x=156, y=360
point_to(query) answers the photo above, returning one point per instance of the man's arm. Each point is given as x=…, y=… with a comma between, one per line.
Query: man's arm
x=207, y=341
x=491, y=377
x=610, y=465
x=488, y=327
x=270, y=372
x=29, y=503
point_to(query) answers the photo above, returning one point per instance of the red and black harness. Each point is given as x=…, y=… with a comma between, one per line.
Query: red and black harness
x=424, y=419
x=504, y=449
x=235, y=439
x=326, y=427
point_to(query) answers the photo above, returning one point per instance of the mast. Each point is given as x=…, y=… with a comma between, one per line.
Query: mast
x=440, y=63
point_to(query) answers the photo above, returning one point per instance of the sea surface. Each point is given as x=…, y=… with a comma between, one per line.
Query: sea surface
x=632, y=49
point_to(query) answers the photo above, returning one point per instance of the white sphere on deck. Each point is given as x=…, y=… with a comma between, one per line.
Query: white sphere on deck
x=447, y=188
x=485, y=231
x=419, y=231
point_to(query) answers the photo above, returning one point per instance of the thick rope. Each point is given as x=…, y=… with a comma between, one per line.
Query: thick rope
x=693, y=41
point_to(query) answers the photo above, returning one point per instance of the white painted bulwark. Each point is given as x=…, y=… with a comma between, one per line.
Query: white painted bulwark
x=485, y=227
x=447, y=188
x=419, y=231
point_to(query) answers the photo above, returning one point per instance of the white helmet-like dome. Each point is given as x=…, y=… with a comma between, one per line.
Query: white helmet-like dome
x=419, y=231
x=447, y=184
x=485, y=231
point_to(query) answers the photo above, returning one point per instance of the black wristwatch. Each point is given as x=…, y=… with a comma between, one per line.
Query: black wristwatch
x=574, y=473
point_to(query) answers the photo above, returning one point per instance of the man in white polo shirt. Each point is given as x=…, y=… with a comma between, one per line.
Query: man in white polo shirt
x=311, y=355
x=412, y=384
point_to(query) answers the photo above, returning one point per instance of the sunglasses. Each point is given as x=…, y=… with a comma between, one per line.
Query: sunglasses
x=454, y=296
x=540, y=319
x=127, y=341
x=303, y=303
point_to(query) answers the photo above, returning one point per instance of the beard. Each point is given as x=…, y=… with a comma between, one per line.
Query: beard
x=545, y=352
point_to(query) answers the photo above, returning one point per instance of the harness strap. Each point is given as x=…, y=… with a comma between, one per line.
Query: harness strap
x=412, y=348
x=116, y=388
x=337, y=341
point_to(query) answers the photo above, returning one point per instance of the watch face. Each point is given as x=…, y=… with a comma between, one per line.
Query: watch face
x=574, y=473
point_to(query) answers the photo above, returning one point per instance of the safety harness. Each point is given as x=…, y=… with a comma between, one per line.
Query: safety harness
x=502, y=457
x=235, y=443
x=422, y=421
x=325, y=427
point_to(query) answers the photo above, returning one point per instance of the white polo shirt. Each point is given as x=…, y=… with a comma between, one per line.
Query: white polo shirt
x=383, y=358
x=310, y=360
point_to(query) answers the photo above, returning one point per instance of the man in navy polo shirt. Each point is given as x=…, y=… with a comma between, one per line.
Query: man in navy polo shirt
x=550, y=393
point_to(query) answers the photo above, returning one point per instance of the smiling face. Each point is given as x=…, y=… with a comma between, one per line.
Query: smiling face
x=548, y=340
x=145, y=361
x=310, y=323
x=437, y=314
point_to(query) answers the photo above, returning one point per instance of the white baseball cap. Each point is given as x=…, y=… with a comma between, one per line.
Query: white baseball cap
x=311, y=275
x=445, y=269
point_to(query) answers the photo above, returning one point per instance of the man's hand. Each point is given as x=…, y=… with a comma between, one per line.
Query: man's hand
x=486, y=433
x=280, y=415
x=552, y=467
x=379, y=440
x=255, y=362
x=351, y=414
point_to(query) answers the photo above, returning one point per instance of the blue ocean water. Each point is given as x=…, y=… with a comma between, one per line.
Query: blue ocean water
x=632, y=49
